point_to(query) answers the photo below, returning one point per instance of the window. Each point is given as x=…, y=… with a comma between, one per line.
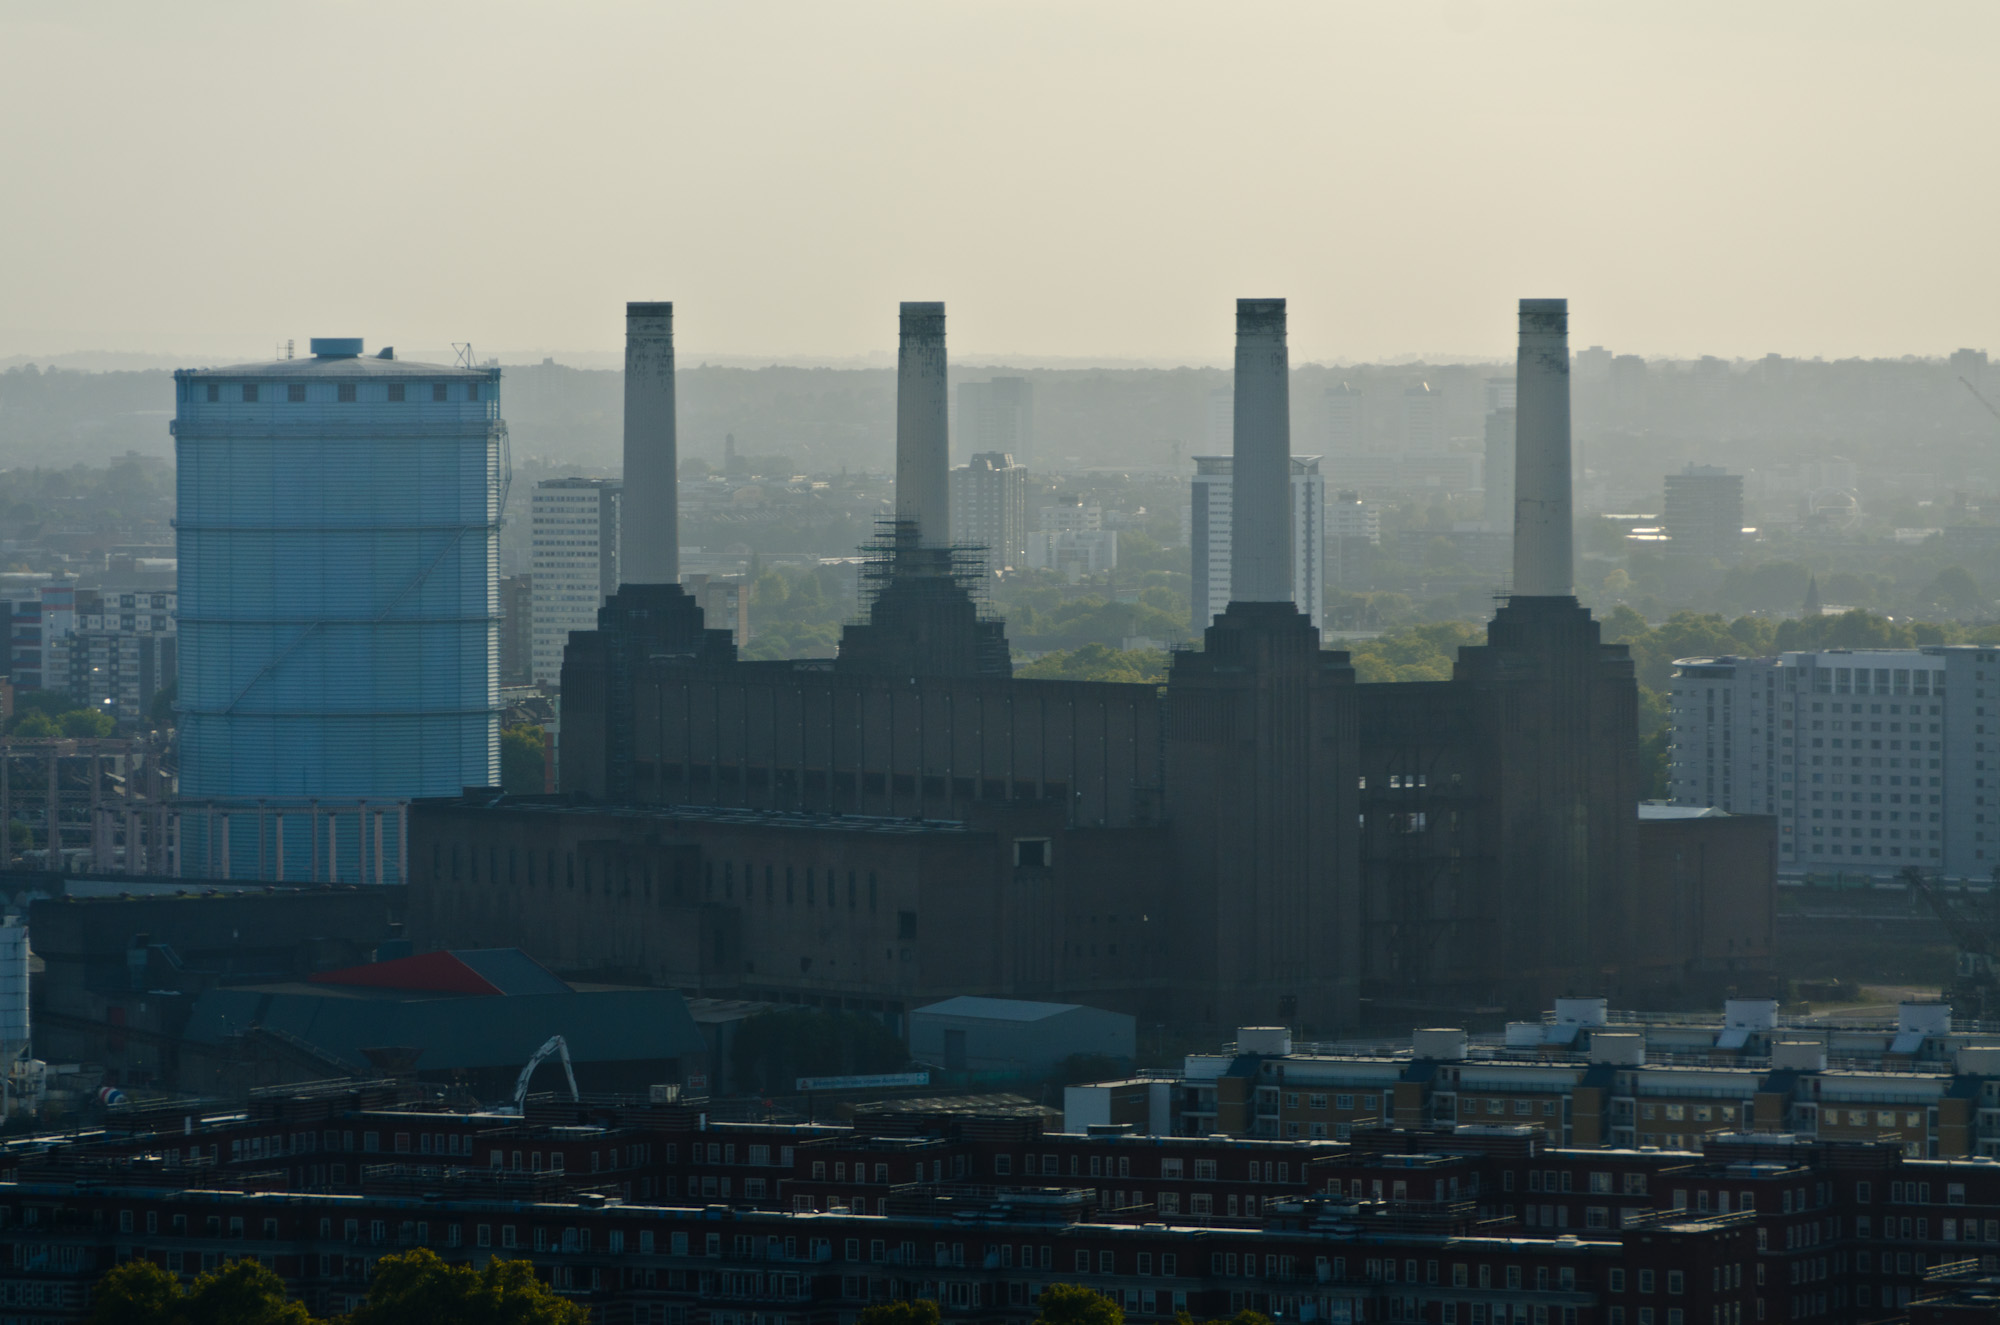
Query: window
x=1170, y=1168
x=1615, y=1280
x=344, y=393
x=1204, y=1170
x=439, y=391
x=214, y=392
x=1676, y=1282
x=249, y=393
x=396, y=392
x=295, y=393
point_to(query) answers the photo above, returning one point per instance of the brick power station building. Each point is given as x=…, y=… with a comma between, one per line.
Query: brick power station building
x=1262, y=838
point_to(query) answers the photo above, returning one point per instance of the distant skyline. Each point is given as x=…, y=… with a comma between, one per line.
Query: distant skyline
x=1084, y=183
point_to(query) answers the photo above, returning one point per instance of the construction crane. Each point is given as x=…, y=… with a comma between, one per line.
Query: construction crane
x=555, y=1044
x=1975, y=930
x=1981, y=399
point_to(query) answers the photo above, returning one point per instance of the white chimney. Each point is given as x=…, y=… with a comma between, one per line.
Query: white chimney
x=1261, y=475
x=923, y=440
x=1543, y=563
x=649, y=520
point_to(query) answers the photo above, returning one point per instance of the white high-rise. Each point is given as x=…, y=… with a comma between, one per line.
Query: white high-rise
x=574, y=545
x=1871, y=760
x=1210, y=536
x=989, y=508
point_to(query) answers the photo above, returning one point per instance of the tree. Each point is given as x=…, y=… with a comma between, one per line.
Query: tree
x=235, y=1293
x=242, y=1293
x=523, y=761
x=1073, y=1304
x=918, y=1311
x=417, y=1288
x=1954, y=590
x=1098, y=662
x=86, y=723
x=35, y=723
x=137, y=1293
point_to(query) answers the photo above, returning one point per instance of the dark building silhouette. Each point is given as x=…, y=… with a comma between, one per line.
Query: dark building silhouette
x=1260, y=840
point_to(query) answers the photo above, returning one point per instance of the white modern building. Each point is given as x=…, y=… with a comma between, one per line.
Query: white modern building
x=574, y=549
x=1073, y=551
x=1210, y=527
x=119, y=650
x=1871, y=760
x=989, y=508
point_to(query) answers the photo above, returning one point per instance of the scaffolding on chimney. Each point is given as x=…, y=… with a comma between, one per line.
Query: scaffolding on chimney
x=897, y=554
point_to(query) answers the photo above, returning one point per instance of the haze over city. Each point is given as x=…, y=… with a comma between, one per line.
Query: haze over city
x=1091, y=182
x=999, y=664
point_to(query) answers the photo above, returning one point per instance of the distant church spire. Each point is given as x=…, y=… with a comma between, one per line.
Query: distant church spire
x=1811, y=606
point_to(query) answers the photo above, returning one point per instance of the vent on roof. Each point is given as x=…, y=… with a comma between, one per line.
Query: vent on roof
x=336, y=347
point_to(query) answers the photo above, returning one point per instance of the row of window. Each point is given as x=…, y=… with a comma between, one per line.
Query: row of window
x=344, y=392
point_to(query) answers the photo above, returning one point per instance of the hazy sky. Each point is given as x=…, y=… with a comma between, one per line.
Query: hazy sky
x=1074, y=178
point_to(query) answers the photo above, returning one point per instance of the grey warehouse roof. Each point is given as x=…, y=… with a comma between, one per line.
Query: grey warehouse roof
x=997, y=1009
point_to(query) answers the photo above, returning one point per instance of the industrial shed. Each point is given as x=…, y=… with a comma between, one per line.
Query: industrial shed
x=970, y=1034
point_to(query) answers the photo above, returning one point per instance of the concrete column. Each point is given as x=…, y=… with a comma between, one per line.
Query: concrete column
x=923, y=439
x=280, y=833
x=1261, y=474
x=649, y=516
x=1543, y=561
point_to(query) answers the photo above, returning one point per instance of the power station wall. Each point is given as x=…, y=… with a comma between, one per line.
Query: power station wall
x=1705, y=905
x=781, y=736
x=1261, y=801
x=841, y=911
x=1500, y=830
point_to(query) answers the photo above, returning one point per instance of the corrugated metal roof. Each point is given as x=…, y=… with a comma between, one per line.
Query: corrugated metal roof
x=996, y=1009
x=512, y=971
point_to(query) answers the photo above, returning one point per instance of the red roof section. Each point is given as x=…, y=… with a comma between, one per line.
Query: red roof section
x=430, y=972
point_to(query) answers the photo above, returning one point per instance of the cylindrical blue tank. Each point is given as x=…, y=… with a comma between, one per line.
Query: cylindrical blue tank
x=338, y=531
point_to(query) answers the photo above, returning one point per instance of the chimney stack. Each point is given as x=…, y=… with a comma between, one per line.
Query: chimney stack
x=923, y=444
x=1261, y=474
x=1543, y=563
x=649, y=522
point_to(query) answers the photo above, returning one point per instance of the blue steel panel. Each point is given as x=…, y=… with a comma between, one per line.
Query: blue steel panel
x=338, y=596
